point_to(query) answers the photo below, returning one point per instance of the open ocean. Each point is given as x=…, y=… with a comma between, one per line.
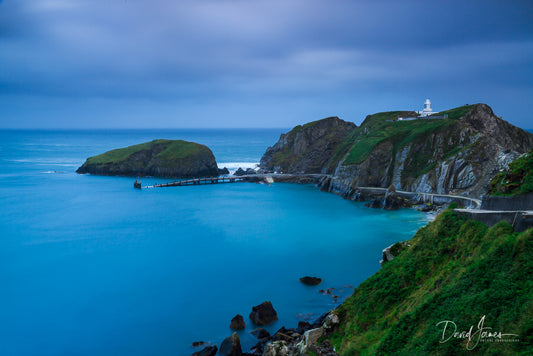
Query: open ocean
x=91, y=266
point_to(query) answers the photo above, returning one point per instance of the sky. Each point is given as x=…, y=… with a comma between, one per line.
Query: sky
x=258, y=63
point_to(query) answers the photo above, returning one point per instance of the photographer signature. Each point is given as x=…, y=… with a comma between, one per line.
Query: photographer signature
x=474, y=335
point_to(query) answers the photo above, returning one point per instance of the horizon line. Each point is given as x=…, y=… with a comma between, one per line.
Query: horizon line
x=138, y=128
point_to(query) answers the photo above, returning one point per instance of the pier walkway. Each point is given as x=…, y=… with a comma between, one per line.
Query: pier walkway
x=201, y=181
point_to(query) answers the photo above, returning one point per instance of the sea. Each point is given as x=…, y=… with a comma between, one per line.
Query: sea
x=91, y=266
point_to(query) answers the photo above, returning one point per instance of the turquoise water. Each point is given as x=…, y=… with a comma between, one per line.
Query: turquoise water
x=90, y=265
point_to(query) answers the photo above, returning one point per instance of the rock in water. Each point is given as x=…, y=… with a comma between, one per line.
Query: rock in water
x=231, y=346
x=198, y=343
x=158, y=158
x=311, y=281
x=240, y=172
x=208, y=351
x=237, y=323
x=263, y=314
x=223, y=171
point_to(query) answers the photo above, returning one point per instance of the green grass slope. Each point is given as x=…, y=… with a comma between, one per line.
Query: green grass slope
x=158, y=158
x=385, y=126
x=451, y=270
x=173, y=149
x=518, y=179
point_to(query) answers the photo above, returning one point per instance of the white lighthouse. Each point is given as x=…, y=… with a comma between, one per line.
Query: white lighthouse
x=427, y=109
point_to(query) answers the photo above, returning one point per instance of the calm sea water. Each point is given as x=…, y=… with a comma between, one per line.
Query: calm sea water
x=91, y=266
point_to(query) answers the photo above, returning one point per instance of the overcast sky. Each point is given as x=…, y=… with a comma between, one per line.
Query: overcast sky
x=246, y=63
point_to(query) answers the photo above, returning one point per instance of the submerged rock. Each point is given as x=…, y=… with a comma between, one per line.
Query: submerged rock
x=198, y=343
x=260, y=333
x=263, y=314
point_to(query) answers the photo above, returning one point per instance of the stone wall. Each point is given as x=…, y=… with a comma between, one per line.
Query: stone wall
x=510, y=203
x=520, y=220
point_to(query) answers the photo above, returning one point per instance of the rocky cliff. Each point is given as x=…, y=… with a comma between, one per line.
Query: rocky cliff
x=311, y=148
x=158, y=158
x=458, y=154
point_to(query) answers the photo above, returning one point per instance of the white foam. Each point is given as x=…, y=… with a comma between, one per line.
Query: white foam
x=233, y=166
x=47, y=162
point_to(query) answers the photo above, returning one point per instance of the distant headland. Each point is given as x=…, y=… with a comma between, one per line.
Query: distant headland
x=158, y=158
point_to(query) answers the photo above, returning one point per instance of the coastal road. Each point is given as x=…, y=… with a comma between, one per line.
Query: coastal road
x=476, y=201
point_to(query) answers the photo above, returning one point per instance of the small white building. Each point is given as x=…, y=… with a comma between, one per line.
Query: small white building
x=427, y=109
x=425, y=113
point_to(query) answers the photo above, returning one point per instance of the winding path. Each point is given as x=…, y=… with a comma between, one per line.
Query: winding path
x=424, y=195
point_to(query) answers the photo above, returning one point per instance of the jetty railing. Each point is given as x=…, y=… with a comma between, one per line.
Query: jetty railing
x=200, y=181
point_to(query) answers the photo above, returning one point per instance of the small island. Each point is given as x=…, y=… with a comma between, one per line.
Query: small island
x=157, y=158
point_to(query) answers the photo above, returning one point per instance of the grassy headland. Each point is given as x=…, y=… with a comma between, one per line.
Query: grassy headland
x=161, y=158
x=451, y=270
x=174, y=149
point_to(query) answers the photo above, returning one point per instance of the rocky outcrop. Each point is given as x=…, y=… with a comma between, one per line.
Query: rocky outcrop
x=263, y=314
x=387, y=255
x=231, y=346
x=242, y=172
x=158, y=158
x=223, y=171
x=237, y=323
x=308, y=341
x=311, y=281
x=457, y=155
x=311, y=148
x=516, y=180
x=208, y=351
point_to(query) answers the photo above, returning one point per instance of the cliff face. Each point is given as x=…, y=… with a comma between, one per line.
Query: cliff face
x=458, y=155
x=310, y=148
x=158, y=158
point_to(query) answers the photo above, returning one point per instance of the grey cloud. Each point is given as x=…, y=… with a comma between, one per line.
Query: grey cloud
x=229, y=50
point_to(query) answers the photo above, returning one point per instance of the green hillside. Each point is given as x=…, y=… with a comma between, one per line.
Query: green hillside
x=158, y=158
x=451, y=270
x=386, y=126
x=173, y=149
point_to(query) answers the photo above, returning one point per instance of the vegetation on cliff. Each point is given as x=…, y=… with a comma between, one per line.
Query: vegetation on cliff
x=385, y=126
x=452, y=270
x=160, y=158
x=518, y=179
